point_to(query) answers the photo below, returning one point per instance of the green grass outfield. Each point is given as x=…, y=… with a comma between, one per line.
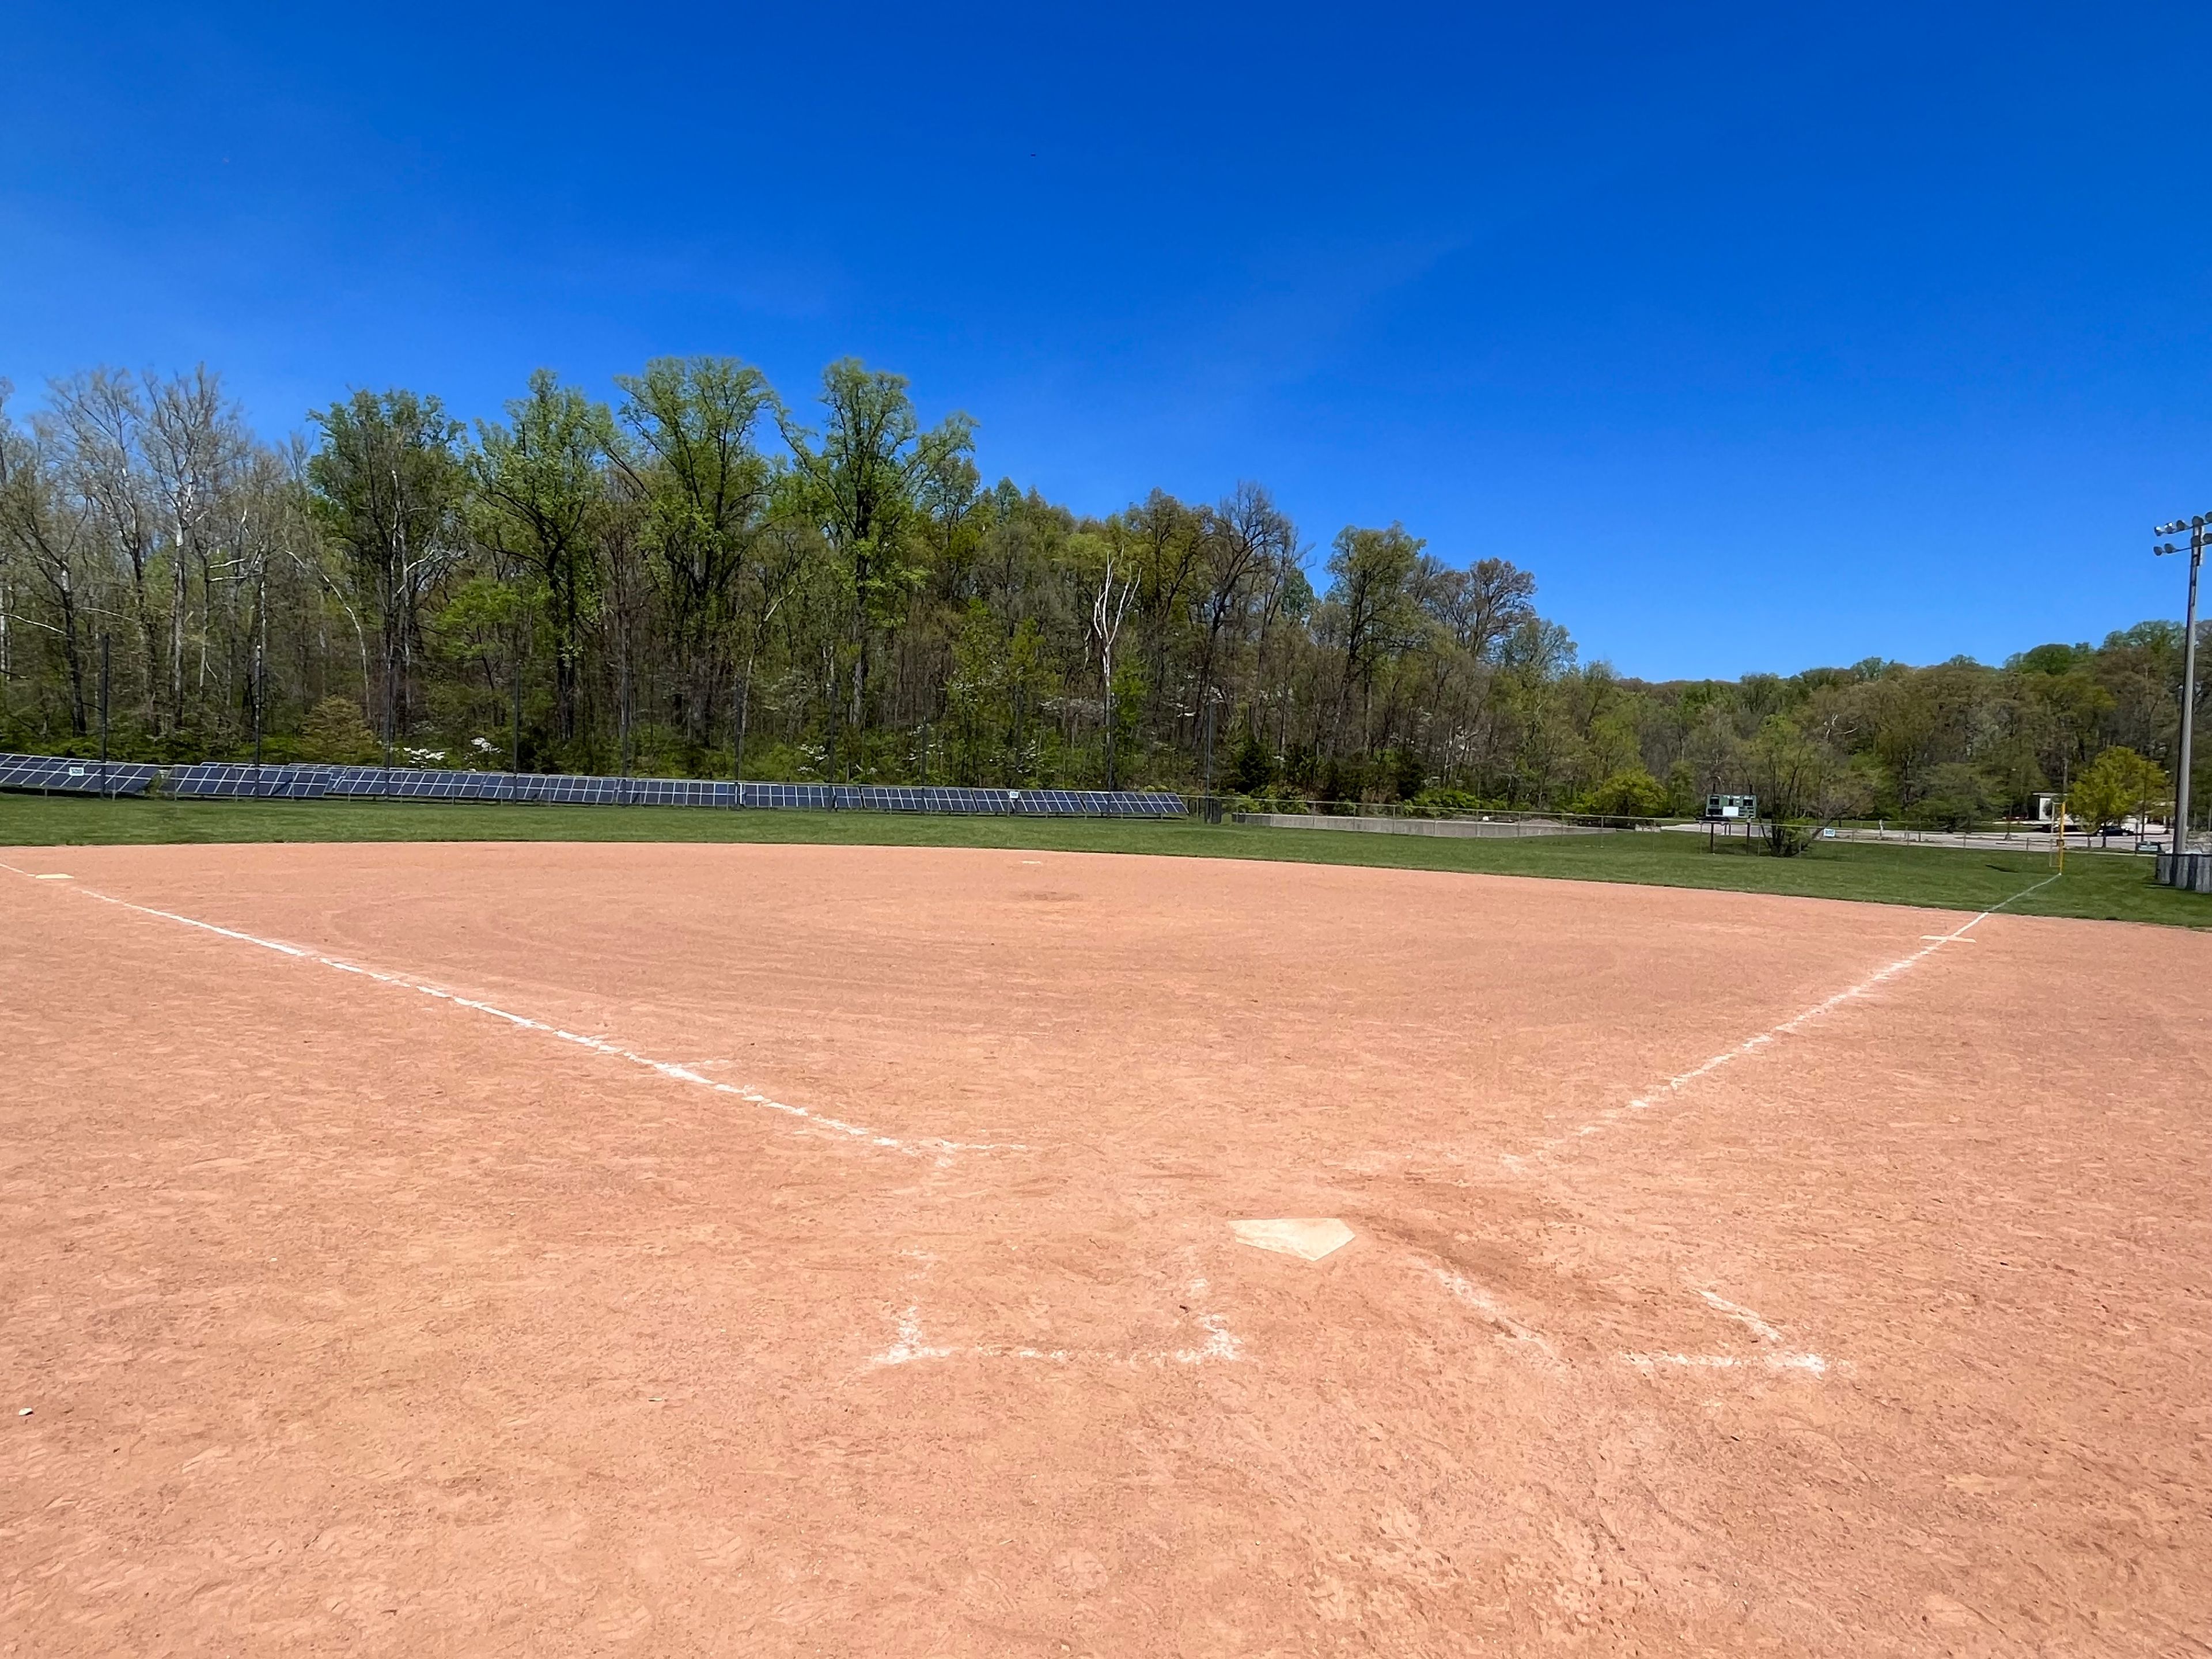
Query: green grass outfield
x=2099, y=886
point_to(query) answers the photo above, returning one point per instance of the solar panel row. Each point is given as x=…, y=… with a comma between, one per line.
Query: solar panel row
x=226, y=780
x=212, y=780
x=1097, y=803
x=678, y=792
x=59, y=774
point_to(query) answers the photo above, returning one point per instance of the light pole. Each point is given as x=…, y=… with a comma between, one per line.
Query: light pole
x=2196, y=527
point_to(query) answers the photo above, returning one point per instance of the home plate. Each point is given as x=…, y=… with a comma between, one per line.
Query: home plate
x=1308, y=1238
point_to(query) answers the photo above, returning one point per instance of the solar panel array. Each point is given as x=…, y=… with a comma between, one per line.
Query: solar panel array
x=1096, y=804
x=220, y=779
x=225, y=779
x=678, y=792
x=61, y=774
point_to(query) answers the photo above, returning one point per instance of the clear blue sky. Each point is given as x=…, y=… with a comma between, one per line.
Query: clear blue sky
x=1767, y=337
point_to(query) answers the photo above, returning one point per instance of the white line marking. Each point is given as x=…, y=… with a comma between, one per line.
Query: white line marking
x=1752, y=1045
x=1221, y=1344
x=1469, y=1294
x=1812, y=1363
x=909, y=1345
x=1772, y=1361
x=1760, y=1328
x=818, y=1120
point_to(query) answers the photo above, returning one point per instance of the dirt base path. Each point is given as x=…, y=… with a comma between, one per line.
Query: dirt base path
x=557, y=1249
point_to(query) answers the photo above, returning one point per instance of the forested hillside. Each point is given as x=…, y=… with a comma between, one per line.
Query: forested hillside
x=702, y=577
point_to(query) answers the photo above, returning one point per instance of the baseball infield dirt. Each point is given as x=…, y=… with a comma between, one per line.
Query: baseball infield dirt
x=604, y=1249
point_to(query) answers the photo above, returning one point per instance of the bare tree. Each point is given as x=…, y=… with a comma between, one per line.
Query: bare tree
x=194, y=444
x=52, y=530
x=101, y=421
x=1247, y=539
x=1107, y=608
x=776, y=575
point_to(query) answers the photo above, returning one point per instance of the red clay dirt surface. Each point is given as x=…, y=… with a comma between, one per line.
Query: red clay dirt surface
x=729, y=1250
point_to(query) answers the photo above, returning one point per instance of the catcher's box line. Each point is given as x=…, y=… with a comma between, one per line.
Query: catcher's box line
x=923, y=1147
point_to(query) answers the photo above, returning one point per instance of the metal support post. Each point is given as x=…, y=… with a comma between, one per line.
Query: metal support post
x=2196, y=527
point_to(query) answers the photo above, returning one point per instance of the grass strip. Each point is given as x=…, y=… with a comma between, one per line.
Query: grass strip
x=2096, y=886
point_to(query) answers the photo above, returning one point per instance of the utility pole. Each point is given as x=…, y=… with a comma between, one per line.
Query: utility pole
x=622, y=715
x=514, y=779
x=103, y=714
x=2196, y=526
x=260, y=659
x=257, y=673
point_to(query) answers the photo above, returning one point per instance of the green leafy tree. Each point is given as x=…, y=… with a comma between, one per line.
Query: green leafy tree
x=1000, y=679
x=1251, y=768
x=1629, y=793
x=2116, y=785
x=1789, y=770
x=387, y=481
x=699, y=556
x=706, y=487
x=479, y=627
x=1407, y=772
x=1371, y=607
x=541, y=495
x=1956, y=798
x=862, y=479
x=334, y=731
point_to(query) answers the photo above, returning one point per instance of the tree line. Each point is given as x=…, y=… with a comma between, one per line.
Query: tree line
x=702, y=578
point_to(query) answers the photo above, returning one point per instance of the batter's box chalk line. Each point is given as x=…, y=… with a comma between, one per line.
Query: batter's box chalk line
x=1520, y=1163
x=1221, y=1344
x=1470, y=1295
x=1772, y=1355
x=809, y=1119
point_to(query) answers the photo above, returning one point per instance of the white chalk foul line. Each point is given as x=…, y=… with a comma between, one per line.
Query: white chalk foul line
x=1752, y=1045
x=820, y=1121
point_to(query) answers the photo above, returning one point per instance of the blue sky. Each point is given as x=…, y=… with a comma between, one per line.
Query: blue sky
x=1766, y=341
